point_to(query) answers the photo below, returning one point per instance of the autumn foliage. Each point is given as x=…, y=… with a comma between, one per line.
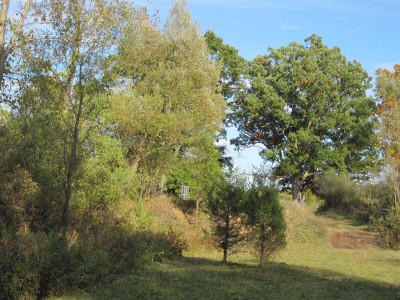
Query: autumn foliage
x=388, y=91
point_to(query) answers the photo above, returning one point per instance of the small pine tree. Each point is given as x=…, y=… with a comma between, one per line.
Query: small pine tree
x=266, y=216
x=227, y=214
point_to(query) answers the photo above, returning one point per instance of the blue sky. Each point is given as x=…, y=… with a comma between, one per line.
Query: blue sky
x=365, y=30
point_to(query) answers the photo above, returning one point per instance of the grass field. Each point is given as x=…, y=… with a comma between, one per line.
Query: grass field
x=327, y=257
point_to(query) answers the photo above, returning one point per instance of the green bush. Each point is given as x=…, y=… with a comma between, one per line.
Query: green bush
x=383, y=215
x=312, y=199
x=32, y=265
x=88, y=264
x=146, y=246
x=340, y=193
x=389, y=226
x=36, y=264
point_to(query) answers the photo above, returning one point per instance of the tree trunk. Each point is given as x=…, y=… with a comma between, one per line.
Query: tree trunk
x=297, y=188
x=72, y=164
x=262, y=246
x=197, y=208
x=5, y=50
x=226, y=237
x=3, y=23
x=73, y=157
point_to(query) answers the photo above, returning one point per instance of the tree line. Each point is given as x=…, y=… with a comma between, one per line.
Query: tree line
x=100, y=102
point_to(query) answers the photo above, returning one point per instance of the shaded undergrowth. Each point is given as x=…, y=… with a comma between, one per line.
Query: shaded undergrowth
x=309, y=268
x=191, y=278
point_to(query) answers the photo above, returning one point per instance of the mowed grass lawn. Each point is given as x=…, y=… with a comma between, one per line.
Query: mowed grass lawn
x=309, y=268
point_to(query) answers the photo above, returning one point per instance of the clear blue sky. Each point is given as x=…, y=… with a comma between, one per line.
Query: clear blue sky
x=365, y=30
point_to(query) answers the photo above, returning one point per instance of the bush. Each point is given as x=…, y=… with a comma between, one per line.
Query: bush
x=340, y=193
x=383, y=215
x=32, y=265
x=389, y=226
x=36, y=264
x=312, y=199
x=18, y=193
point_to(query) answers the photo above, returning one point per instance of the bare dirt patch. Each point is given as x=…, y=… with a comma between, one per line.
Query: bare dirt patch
x=355, y=239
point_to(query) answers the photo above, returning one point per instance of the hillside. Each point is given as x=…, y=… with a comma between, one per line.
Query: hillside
x=327, y=257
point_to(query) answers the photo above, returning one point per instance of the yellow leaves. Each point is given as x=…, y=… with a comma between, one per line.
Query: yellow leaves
x=304, y=81
x=388, y=90
x=258, y=136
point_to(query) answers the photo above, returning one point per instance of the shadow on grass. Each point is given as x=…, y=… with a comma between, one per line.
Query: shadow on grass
x=193, y=278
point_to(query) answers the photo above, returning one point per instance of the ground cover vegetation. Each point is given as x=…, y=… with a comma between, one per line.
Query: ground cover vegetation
x=316, y=264
x=103, y=108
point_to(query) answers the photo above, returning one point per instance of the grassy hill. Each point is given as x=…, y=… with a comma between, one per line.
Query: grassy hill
x=327, y=257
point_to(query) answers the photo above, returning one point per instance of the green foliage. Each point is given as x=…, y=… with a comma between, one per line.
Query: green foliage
x=104, y=178
x=383, y=214
x=181, y=174
x=234, y=66
x=170, y=102
x=340, y=193
x=70, y=207
x=32, y=264
x=200, y=168
x=386, y=220
x=226, y=210
x=265, y=214
x=307, y=106
x=312, y=199
x=38, y=264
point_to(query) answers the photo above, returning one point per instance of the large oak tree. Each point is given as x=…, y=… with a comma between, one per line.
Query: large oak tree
x=306, y=106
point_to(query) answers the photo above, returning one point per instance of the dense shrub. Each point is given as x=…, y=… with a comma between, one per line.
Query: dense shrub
x=32, y=265
x=36, y=264
x=18, y=193
x=389, y=226
x=312, y=199
x=340, y=193
x=383, y=214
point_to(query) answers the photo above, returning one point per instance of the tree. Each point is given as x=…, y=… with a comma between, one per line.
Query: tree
x=388, y=93
x=170, y=99
x=6, y=25
x=233, y=65
x=266, y=216
x=199, y=167
x=227, y=213
x=66, y=68
x=306, y=106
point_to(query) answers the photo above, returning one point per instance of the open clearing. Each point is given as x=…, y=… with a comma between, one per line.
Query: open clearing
x=326, y=258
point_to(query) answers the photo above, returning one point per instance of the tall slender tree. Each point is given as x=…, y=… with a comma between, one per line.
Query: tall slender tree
x=388, y=93
x=65, y=68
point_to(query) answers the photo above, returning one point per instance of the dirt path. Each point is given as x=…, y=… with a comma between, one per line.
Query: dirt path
x=354, y=239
